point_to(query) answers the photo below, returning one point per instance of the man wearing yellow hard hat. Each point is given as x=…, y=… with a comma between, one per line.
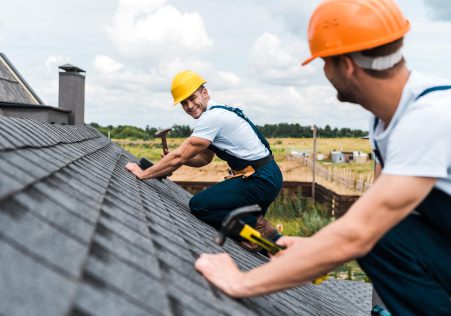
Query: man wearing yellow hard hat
x=400, y=229
x=225, y=131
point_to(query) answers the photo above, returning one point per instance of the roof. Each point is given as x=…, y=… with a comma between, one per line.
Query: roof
x=13, y=87
x=71, y=68
x=31, y=107
x=79, y=235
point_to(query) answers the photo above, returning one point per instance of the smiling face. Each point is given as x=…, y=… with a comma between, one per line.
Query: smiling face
x=196, y=104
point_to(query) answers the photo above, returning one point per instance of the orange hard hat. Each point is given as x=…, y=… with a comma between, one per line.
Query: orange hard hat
x=343, y=26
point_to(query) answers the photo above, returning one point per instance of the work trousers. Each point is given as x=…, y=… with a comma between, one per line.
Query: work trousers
x=410, y=268
x=213, y=204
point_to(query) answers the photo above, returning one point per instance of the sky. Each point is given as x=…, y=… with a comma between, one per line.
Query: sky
x=248, y=51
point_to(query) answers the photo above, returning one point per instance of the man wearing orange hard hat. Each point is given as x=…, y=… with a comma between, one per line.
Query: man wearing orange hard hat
x=400, y=229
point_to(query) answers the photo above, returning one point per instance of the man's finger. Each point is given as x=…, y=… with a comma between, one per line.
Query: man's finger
x=284, y=241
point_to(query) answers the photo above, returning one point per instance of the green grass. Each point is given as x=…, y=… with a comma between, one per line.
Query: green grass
x=300, y=217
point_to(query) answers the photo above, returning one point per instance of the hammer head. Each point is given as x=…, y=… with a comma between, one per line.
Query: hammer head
x=163, y=132
x=232, y=225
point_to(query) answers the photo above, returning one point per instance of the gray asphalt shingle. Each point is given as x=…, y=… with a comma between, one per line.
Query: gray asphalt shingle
x=79, y=235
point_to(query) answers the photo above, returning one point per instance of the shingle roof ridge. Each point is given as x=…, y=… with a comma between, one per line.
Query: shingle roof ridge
x=82, y=271
x=59, y=134
x=46, y=176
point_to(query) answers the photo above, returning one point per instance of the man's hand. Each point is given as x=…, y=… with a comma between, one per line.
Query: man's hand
x=384, y=205
x=135, y=169
x=220, y=270
x=289, y=243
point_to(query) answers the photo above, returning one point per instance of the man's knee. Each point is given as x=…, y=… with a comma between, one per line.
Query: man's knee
x=196, y=206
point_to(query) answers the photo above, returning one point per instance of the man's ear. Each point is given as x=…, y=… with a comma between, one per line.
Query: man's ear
x=348, y=66
x=205, y=92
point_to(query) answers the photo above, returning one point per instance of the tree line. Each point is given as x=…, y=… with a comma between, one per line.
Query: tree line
x=281, y=130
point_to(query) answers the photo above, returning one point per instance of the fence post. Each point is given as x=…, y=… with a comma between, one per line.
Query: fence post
x=314, y=161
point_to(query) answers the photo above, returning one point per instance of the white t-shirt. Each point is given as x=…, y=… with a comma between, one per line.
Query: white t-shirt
x=417, y=142
x=229, y=132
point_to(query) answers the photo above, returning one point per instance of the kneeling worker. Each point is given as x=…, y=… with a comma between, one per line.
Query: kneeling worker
x=225, y=131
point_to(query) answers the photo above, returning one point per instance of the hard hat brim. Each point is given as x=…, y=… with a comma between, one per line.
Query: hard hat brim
x=184, y=97
x=308, y=60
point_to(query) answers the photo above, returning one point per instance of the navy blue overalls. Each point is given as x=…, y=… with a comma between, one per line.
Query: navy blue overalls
x=213, y=204
x=410, y=267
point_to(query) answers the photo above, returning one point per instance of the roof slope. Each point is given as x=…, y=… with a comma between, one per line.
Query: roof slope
x=79, y=235
x=13, y=87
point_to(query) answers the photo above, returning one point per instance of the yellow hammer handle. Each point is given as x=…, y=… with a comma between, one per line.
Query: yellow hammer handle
x=255, y=237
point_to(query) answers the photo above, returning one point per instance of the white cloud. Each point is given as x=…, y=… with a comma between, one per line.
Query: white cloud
x=150, y=29
x=304, y=105
x=230, y=79
x=53, y=62
x=48, y=73
x=279, y=63
x=440, y=9
x=106, y=65
x=295, y=14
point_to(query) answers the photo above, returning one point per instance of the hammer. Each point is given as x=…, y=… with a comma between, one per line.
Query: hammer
x=162, y=134
x=232, y=225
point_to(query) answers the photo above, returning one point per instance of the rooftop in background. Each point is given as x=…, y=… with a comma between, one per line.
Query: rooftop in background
x=13, y=87
x=17, y=98
x=79, y=235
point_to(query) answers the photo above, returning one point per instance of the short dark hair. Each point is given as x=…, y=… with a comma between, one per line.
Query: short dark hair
x=380, y=51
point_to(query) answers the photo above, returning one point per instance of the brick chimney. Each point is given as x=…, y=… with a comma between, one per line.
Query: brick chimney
x=72, y=92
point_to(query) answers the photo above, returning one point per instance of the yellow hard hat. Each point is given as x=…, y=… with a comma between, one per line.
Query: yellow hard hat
x=184, y=84
x=344, y=26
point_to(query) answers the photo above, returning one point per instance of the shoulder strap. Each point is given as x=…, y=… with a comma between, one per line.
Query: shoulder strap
x=376, y=121
x=240, y=113
x=432, y=89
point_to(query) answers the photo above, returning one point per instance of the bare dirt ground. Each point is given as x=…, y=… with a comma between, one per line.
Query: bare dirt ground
x=292, y=170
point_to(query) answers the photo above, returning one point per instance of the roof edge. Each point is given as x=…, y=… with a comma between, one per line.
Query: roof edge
x=31, y=106
x=21, y=79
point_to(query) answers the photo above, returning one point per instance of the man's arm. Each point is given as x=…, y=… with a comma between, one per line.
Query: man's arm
x=191, y=147
x=201, y=159
x=377, y=170
x=384, y=205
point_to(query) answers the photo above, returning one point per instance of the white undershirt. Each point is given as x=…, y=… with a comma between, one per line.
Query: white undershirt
x=417, y=142
x=229, y=132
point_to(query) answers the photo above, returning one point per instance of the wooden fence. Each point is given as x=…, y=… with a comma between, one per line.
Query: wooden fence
x=344, y=177
x=337, y=204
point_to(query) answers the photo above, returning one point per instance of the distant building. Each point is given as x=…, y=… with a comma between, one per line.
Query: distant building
x=337, y=157
x=349, y=156
x=299, y=154
x=18, y=99
x=360, y=157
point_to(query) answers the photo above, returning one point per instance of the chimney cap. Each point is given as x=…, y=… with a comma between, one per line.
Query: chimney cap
x=71, y=68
